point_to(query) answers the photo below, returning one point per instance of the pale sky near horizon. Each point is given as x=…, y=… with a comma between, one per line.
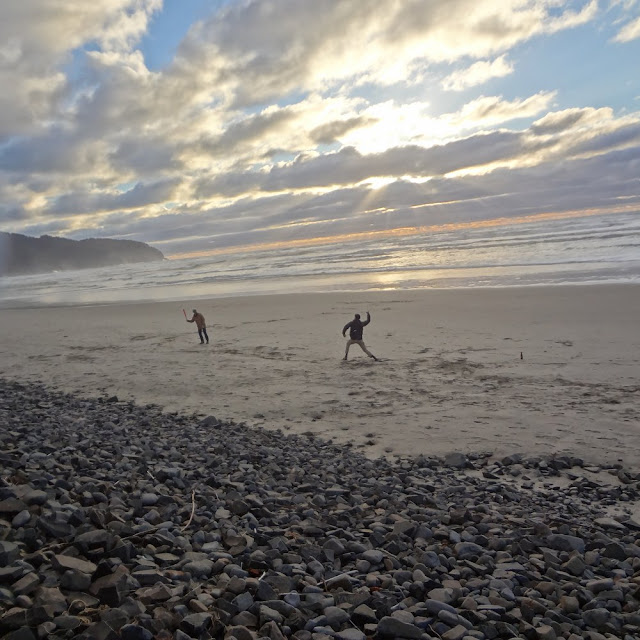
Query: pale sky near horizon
x=196, y=125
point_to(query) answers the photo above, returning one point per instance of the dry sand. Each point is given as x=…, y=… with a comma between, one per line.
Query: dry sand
x=450, y=377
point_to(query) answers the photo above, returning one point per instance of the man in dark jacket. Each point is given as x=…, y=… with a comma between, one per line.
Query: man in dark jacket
x=198, y=318
x=356, y=326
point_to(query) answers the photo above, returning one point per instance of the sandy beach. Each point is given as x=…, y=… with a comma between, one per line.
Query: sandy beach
x=451, y=377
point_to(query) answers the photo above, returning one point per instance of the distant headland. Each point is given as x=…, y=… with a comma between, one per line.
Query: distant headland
x=21, y=255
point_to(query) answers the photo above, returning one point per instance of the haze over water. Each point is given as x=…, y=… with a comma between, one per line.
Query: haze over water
x=593, y=249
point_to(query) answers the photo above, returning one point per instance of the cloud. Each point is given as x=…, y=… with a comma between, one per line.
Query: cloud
x=246, y=131
x=136, y=197
x=37, y=38
x=555, y=185
x=630, y=31
x=571, y=133
x=14, y=214
x=491, y=110
x=230, y=140
x=556, y=122
x=332, y=131
x=477, y=73
x=552, y=186
x=255, y=52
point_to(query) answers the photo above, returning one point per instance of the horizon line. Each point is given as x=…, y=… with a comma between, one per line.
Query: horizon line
x=401, y=232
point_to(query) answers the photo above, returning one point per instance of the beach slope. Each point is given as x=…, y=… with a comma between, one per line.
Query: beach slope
x=451, y=376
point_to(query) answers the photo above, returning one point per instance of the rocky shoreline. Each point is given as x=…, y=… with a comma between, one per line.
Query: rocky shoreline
x=121, y=521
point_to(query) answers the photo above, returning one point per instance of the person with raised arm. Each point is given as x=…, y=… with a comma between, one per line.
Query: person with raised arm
x=356, y=327
x=198, y=318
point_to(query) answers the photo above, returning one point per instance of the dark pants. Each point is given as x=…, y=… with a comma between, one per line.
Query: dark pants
x=201, y=333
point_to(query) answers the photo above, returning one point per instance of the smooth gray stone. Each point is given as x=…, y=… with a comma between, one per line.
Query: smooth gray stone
x=135, y=632
x=27, y=584
x=9, y=552
x=21, y=519
x=456, y=460
x=63, y=563
x=390, y=627
x=596, y=618
x=336, y=617
x=563, y=542
x=374, y=556
x=435, y=606
x=350, y=634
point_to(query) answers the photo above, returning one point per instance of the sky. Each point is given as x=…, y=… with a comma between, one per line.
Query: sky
x=198, y=125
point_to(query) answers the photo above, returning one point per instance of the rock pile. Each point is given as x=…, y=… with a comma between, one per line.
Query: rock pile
x=119, y=521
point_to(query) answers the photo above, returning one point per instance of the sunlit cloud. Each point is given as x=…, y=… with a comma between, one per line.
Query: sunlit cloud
x=478, y=73
x=630, y=31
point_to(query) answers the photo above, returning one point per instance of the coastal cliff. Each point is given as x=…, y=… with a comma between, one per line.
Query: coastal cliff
x=20, y=255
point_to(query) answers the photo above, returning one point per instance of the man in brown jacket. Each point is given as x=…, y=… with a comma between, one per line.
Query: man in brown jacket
x=198, y=318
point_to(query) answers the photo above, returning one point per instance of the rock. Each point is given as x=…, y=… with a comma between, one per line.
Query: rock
x=602, y=584
x=51, y=598
x=363, y=614
x=336, y=617
x=23, y=633
x=10, y=507
x=267, y=614
x=111, y=589
x=457, y=460
x=194, y=624
x=457, y=633
x=149, y=499
x=569, y=604
x=199, y=568
x=350, y=634
x=390, y=627
x=373, y=556
x=546, y=632
x=135, y=632
x=595, y=618
x=64, y=563
x=27, y=584
x=35, y=497
x=614, y=550
x=293, y=537
x=575, y=566
x=67, y=623
x=239, y=633
x=75, y=581
x=13, y=618
x=610, y=523
x=9, y=551
x=21, y=519
x=468, y=550
x=566, y=542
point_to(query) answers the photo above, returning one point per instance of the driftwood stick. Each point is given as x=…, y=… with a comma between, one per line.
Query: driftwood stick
x=333, y=579
x=193, y=509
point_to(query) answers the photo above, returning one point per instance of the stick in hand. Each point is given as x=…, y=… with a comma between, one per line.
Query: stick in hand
x=185, y=314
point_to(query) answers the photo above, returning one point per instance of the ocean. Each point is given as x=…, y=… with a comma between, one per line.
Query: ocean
x=577, y=250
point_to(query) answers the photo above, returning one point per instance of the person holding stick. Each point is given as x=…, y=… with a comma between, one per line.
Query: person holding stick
x=198, y=318
x=356, y=327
